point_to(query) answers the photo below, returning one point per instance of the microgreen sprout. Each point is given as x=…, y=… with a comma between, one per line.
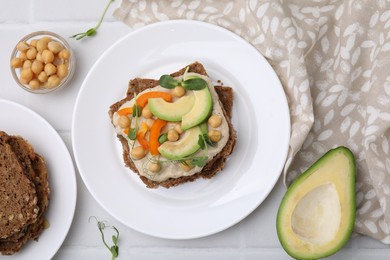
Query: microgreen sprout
x=114, y=249
x=92, y=31
x=189, y=83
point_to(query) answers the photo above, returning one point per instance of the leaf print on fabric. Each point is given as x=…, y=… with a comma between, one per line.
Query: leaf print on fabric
x=328, y=117
x=262, y=9
x=325, y=135
x=354, y=129
x=383, y=225
x=371, y=226
x=365, y=208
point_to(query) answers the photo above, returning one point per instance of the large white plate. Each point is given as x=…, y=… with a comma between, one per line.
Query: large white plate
x=203, y=207
x=16, y=119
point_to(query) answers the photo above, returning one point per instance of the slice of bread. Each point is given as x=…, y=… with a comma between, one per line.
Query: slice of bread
x=34, y=169
x=225, y=95
x=18, y=201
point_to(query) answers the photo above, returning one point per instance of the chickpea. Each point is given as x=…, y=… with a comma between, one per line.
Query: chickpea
x=64, y=54
x=41, y=45
x=62, y=71
x=123, y=121
x=43, y=62
x=138, y=153
x=215, y=121
x=39, y=57
x=50, y=69
x=154, y=167
x=178, y=91
x=215, y=135
x=37, y=66
x=173, y=135
x=53, y=81
x=149, y=122
x=55, y=47
x=27, y=64
x=16, y=63
x=22, y=46
x=34, y=43
x=186, y=166
x=23, y=56
x=26, y=75
x=146, y=112
x=47, y=56
x=34, y=84
x=31, y=53
x=178, y=128
x=46, y=39
x=42, y=77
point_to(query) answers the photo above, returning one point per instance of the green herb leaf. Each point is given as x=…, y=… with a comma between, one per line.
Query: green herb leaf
x=207, y=140
x=163, y=138
x=132, y=134
x=114, y=251
x=194, y=84
x=167, y=81
x=93, y=30
x=136, y=111
x=199, y=161
x=201, y=142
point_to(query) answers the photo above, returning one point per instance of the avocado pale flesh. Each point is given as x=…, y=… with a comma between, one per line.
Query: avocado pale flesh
x=317, y=214
x=171, y=111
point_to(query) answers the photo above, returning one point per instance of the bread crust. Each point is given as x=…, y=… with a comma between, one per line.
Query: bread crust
x=215, y=165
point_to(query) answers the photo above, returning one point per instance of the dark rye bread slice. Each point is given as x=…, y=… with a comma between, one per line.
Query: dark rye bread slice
x=32, y=231
x=25, y=153
x=225, y=95
x=35, y=169
x=18, y=203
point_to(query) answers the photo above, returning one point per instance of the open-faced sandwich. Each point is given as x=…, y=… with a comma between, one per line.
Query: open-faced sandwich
x=175, y=129
x=24, y=191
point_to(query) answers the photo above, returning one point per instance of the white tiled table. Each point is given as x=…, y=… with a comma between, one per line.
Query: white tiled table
x=253, y=238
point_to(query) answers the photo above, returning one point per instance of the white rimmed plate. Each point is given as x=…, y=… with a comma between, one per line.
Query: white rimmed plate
x=260, y=116
x=16, y=119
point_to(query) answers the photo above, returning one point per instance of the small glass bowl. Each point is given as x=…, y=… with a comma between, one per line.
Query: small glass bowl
x=38, y=35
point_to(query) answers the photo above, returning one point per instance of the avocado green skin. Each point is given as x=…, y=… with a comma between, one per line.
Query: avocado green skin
x=296, y=184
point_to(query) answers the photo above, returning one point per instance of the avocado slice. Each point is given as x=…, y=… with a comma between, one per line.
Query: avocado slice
x=317, y=214
x=186, y=145
x=200, y=111
x=171, y=111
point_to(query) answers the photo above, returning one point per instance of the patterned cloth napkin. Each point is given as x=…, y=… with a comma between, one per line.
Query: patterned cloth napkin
x=333, y=59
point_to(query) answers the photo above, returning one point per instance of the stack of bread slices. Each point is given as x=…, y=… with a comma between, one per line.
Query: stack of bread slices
x=24, y=193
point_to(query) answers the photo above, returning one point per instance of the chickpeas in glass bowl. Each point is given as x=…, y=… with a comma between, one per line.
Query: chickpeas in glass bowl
x=42, y=62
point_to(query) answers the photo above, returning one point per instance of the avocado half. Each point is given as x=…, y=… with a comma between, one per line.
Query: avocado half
x=317, y=214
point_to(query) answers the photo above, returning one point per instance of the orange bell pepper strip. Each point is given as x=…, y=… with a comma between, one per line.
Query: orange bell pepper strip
x=142, y=100
x=125, y=111
x=154, y=134
x=141, y=136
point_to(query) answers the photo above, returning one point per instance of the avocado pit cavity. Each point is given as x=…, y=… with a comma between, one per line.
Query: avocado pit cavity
x=316, y=218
